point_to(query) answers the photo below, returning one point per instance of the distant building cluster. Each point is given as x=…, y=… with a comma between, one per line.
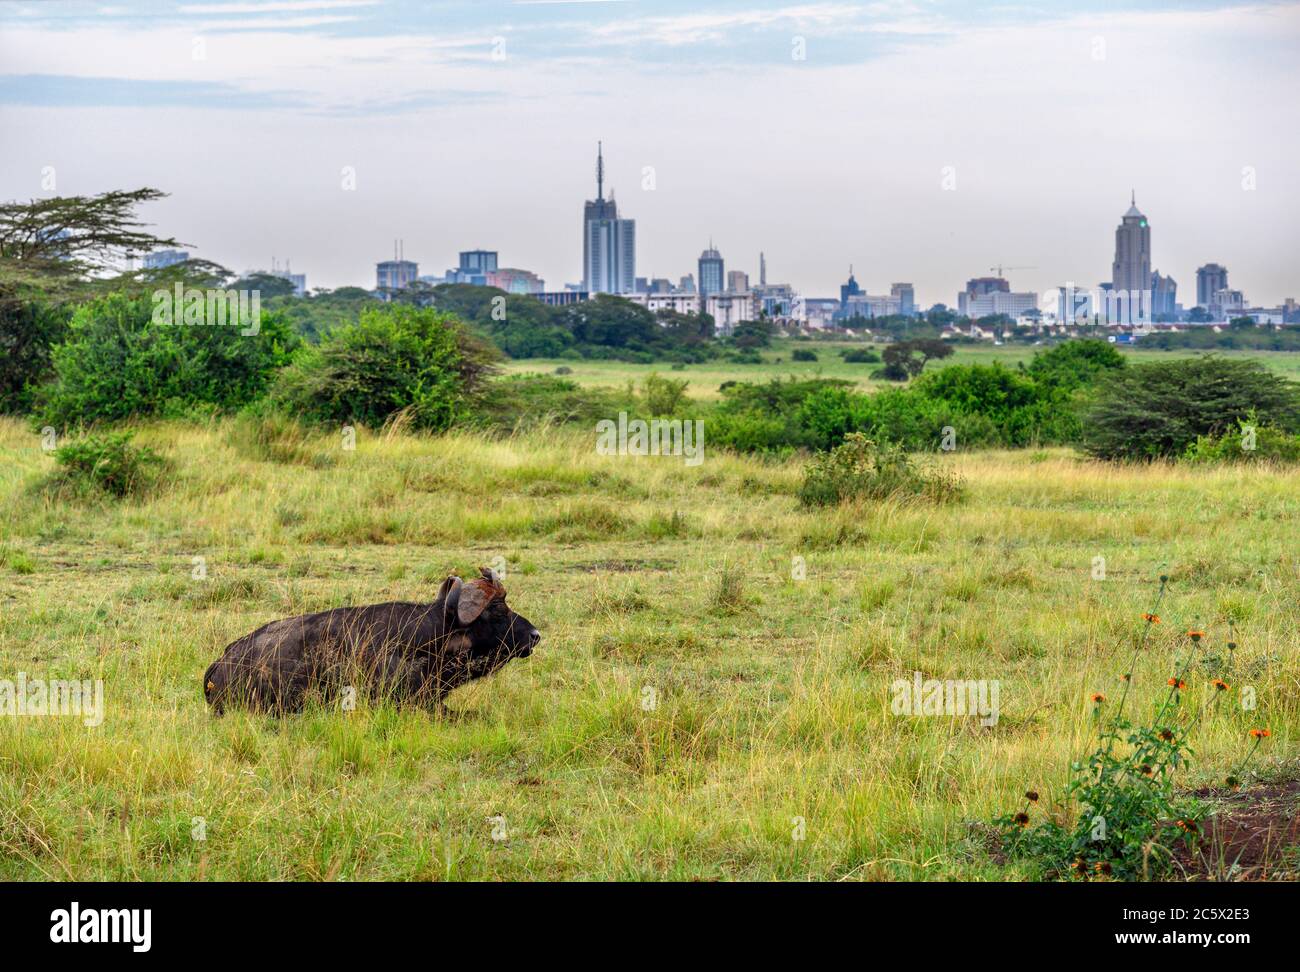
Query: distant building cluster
x=1134, y=297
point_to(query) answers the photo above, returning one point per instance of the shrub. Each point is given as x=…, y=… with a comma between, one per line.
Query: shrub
x=863, y=469
x=803, y=354
x=663, y=396
x=1250, y=442
x=1160, y=409
x=108, y=463
x=395, y=358
x=28, y=331
x=116, y=363
x=860, y=356
x=1075, y=363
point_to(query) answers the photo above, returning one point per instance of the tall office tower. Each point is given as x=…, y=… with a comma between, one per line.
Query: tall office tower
x=738, y=282
x=608, y=243
x=1164, y=296
x=1131, y=272
x=762, y=269
x=905, y=296
x=1210, y=279
x=850, y=289
x=712, y=272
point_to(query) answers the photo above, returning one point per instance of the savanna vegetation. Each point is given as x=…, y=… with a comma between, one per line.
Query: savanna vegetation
x=712, y=696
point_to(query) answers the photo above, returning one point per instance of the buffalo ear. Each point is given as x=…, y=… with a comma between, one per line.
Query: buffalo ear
x=449, y=594
x=474, y=597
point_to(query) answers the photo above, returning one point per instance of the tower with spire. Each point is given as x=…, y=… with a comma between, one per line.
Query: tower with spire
x=608, y=243
x=1131, y=271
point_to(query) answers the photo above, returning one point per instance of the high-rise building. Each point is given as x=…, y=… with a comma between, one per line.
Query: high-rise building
x=1164, y=297
x=850, y=289
x=478, y=261
x=1131, y=271
x=1210, y=279
x=737, y=282
x=906, y=297
x=979, y=287
x=395, y=274
x=687, y=284
x=608, y=243
x=712, y=272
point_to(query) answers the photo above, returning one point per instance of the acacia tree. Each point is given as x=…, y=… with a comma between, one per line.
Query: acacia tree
x=907, y=359
x=54, y=252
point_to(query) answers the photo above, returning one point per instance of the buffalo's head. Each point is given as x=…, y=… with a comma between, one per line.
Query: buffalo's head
x=476, y=611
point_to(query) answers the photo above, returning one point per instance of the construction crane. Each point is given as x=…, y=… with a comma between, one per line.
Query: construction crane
x=999, y=268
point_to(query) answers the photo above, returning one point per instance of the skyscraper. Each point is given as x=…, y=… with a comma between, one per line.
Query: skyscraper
x=712, y=274
x=608, y=243
x=1210, y=279
x=1164, y=296
x=906, y=297
x=1131, y=272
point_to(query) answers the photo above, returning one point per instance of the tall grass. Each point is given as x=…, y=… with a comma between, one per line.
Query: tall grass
x=675, y=722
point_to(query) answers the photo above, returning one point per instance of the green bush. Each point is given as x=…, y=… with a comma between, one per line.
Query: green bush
x=663, y=396
x=396, y=358
x=860, y=468
x=115, y=363
x=860, y=356
x=1075, y=363
x=29, y=330
x=1160, y=409
x=803, y=354
x=1250, y=442
x=109, y=463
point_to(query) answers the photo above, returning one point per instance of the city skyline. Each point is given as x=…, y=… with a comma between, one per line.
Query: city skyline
x=445, y=137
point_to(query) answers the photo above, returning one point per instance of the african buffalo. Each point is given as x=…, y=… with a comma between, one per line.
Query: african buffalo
x=407, y=653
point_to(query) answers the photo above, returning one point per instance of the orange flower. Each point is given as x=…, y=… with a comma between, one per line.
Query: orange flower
x=1151, y=618
x=1098, y=698
x=1032, y=796
x=1102, y=867
x=1187, y=825
x=1220, y=685
x=1177, y=683
x=1022, y=819
x=1196, y=635
x=1166, y=735
x=1259, y=733
x=1144, y=769
x=1126, y=677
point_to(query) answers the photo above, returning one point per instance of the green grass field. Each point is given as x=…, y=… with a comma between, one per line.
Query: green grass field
x=692, y=711
x=705, y=378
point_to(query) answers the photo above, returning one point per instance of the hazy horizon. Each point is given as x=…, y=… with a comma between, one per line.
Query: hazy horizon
x=474, y=125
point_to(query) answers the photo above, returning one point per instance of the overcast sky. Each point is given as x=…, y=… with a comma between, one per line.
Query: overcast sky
x=918, y=141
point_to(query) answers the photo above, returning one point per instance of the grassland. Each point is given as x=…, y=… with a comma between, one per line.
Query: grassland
x=705, y=378
x=771, y=695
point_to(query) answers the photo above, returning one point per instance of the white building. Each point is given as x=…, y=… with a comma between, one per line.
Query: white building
x=1001, y=302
